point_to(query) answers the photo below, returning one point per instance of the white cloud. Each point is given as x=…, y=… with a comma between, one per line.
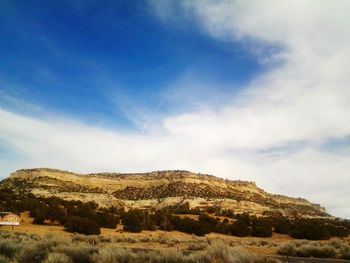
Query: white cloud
x=302, y=100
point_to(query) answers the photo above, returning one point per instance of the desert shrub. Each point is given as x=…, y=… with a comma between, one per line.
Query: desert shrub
x=39, y=216
x=228, y=213
x=190, y=226
x=132, y=221
x=5, y=234
x=162, y=219
x=281, y=225
x=4, y=259
x=223, y=228
x=105, y=239
x=314, y=250
x=261, y=228
x=208, y=221
x=55, y=257
x=106, y=220
x=145, y=239
x=335, y=242
x=197, y=246
x=345, y=252
x=309, y=229
x=241, y=229
x=287, y=249
x=8, y=248
x=91, y=239
x=220, y=252
x=307, y=250
x=112, y=255
x=79, y=253
x=161, y=257
x=34, y=251
x=77, y=224
x=149, y=223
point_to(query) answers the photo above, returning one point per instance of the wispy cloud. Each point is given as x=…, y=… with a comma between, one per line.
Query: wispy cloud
x=273, y=131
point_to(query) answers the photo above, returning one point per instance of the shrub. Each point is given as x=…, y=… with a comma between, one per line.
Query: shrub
x=4, y=259
x=132, y=221
x=281, y=225
x=82, y=225
x=241, y=229
x=335, y=242
x=107, y=220
x=197, y=246
x=8, y=248
x=317, y=251
x=309, y=229
x=57, y=258
x=287, y=249
x=190, y=226
x=79, y=253
x=34, y=251
x=345, y=252
x=92, y=239
x=39, y=217
x=112, y=255
x=261, y=228
x=220, y=252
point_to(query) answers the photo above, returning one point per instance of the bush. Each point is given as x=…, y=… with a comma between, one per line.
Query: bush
x=8, y=248
x=76, y=224
x=190, y=226
x=287, y=249
x=336, y=243
x=34, y=251
x=132, y=221
x=309, y=229
x=39, y=217
x=149, y=222
x=241, y=229
x=316, y=251
x=261, y=228
x=57, y=258
x=220, y=252
x=107, y=220
x=112, y=255
x=281, y=225
x=345, y=252
x=79, y=253
x=4, y=259
x=307, y=250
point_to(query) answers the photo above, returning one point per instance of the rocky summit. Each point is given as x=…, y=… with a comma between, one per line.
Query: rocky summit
x=160, y=189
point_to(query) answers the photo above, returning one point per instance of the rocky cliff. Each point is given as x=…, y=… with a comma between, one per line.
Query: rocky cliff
x=159, y=189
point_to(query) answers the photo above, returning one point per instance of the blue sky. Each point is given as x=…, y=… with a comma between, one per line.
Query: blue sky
x=252, y=90
x=79, y=59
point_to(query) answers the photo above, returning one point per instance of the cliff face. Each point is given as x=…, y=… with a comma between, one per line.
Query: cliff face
x=159, y=189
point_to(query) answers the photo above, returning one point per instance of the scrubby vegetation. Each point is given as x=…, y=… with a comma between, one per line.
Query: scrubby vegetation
x=76, y=216
x=315, y=249
x=88, y=218
x=79, y=249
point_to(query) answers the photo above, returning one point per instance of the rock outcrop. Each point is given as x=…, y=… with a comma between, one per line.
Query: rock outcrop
x=159, y=189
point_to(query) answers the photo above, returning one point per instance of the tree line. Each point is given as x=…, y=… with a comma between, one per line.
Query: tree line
x=88, y=218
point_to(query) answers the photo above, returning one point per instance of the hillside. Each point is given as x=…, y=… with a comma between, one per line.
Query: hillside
x=159, y=189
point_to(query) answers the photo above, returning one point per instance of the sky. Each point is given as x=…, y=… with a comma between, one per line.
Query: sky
x=251, y=90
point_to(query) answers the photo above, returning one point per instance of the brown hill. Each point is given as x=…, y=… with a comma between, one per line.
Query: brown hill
x=160, y=189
